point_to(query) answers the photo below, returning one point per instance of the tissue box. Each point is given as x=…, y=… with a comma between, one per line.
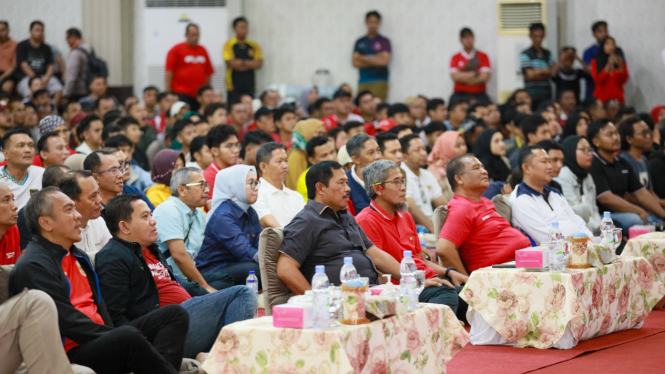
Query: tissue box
x=638, y=230
x=293, y=316
x=532, y=257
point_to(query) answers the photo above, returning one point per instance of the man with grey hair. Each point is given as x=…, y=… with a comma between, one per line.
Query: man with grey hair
x=388, y=224
x=363, y=150
x=9, y=234
x=474, y=234
x=180, y=227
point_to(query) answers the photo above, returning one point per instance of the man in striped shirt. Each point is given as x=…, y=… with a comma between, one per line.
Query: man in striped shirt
x=537, y=67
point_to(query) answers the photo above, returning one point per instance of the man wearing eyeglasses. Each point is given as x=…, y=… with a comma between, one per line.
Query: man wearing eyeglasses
x=180, y=227
x=107, y=172
x=388, y=224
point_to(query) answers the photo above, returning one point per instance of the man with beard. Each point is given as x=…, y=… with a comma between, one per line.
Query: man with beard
x=390, y=227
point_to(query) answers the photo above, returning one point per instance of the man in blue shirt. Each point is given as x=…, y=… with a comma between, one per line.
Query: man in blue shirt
x=537, y=67
x=180, y=227
x=363, y=150
x=371, y=56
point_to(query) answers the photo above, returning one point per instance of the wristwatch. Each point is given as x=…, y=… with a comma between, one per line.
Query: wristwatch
x=448, y=271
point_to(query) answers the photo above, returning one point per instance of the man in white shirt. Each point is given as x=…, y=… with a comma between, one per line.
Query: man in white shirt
x=80, y=186
x=535, y=205
x=276, y=205
x=24, y=178
x=89, y=133
x=423, y=192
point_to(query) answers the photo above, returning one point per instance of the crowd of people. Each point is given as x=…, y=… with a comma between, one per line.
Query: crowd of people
x=134, y=223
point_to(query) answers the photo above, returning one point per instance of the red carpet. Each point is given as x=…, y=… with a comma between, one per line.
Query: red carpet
x=507, y=360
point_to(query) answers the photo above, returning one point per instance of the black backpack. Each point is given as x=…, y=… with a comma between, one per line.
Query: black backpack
x=96, y=66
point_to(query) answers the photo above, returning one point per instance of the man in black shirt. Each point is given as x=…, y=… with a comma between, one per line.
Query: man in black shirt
x=567, y=78
x=243, y=56
x=35, y=59
x=323, y=233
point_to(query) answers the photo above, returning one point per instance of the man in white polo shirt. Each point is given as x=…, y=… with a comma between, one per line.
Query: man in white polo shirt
x=80, y=186
x=535, y=205
x=18, y=147
x=276, y=205
x=423, y=192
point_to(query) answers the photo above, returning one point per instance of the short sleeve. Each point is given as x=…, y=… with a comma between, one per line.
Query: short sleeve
x=171, y=59
x=261, y=205
x=21, y=53
x=169, y=226
x=434, y=186
x=298, y=239
x=551, y=61
x=457, y=226
x=371, y=230
x=634, y=183
x=453, y=64
x=227, y=51
x=599, y=179
x=258, y=54
x=484, y=62
x=209, y=69
x=525, y=61
x=356, y=47
x=48, y=53
x=386, y=45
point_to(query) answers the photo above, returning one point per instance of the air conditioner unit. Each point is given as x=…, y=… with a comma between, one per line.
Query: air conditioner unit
x=162, y=25
x=514, y=18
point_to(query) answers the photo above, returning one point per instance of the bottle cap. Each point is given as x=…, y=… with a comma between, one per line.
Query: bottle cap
x=320, y=269
x=348, y=260
x=407, y=254
x=650, y=219
x=606, y=214
x=251, y=272
x=555, y=224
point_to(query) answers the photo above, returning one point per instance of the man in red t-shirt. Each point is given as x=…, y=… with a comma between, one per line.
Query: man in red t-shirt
x=225, y=148
x=9, y=241
x=388, y=224
x=474, y=234
x=470, y=69
x=188, y=68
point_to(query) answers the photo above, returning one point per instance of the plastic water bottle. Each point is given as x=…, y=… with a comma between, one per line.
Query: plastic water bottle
x=652, y=224
x=253, y=283
x=555, y=249
x=407, y=284
x=320, y=286
x=607, y=231
x=348, y=271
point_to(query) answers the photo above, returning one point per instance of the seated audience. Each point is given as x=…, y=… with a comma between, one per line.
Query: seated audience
x=391, y=228
x=423, y=192
x=555, y=152
x=51, y=150
x=456, y=114
x=474, y=234
x=535, y=129
x=343, y=105
x=614, y=177
x=401, y=131
x=200, y=155
x=276, y=205
x=304, y=131
x=390, y=147
x=89, y=133
x=125, y=163
x=431, y=132
x=215, y=114
x=609, y=71
x=10, y=237
x=491, y=151
x=323, y=233
x=139, y=179
x=418, y=110
x=107, y=172
x=54, y=265
x=130, y=295
x=657, y=165
x=366, y=106
x=25, y=179
x=183, y=132
x=132, y=130
x=223, y=143
x=251, y=141
x=81, y=187
x=436, y=110
x=576, y=183
x=535, y=205
x=576, y=124
x=231, y=236
x=285, y=121
x=353, y=128
x=166, y=163
x=363, y=150
x=264, y=120
x=401, y=114
x=180, y=227
x=318, y=149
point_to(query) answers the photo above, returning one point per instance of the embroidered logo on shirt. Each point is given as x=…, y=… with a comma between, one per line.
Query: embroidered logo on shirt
x=624, y=171
x=10, y=255
x=486, y=217
x=195, y=59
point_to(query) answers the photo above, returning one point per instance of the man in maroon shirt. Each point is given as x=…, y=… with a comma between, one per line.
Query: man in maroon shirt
x=474, y=234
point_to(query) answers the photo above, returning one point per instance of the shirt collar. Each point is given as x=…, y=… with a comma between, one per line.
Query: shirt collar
x=525, y=189
x=355, y=176
x=387, y=216
x=320, y=208
x=182, y=207
x=267, y=187
x=469, y=56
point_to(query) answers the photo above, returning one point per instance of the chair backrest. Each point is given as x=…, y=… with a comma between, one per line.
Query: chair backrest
x=439, y=218
x=275, y=292
x=502, y=205
x=5, y=270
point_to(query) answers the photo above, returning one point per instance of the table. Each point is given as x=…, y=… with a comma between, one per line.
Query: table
x=422, y=341
x=538, y=309
x=652, y=247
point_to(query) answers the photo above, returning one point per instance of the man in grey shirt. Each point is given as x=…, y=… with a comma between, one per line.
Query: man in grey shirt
x=323, y=233
x=77, y=66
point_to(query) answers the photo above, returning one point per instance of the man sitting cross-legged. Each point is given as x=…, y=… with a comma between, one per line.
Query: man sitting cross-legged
x=390, y=227
x=474, y=234
x=136, y=281
x=51, y=263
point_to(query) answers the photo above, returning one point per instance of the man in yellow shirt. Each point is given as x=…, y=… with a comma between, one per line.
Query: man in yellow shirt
x=318, y=149
x=243, y=57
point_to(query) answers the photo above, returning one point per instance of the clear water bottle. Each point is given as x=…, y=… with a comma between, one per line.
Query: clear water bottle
x=408, y=284
x=253, y=283
x=555, y=249
x=320, y=286
x=607, y=230
x=348, y=271
x=652, y=224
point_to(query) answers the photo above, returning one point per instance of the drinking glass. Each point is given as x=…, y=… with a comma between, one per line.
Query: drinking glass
x=420, y=283
x=618, y=235
x=335, y=304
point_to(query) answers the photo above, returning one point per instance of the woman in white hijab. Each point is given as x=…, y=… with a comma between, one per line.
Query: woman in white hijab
x=231, y=237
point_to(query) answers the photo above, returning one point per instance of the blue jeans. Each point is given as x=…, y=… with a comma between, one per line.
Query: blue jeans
x=441, y=295
x=209, y=313
x=240, y=270
x=218, y=281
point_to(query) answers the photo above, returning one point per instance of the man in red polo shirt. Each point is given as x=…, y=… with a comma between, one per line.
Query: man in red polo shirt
x=188, y=68
x=9, y=237
x=388, y=224
x=470, y=69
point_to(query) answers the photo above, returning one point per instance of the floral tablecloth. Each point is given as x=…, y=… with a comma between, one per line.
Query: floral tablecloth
x=533, y=309
x=422, y=341
x=652, y=247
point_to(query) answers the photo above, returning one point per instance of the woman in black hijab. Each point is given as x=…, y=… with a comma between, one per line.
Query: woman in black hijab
x=576, y=124
x=491, y=151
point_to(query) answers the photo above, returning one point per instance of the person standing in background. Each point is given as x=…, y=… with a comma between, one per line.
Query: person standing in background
x=371, y=55
x=7, y=59
x=77, y=66
x=610, y=72
x=599, y=30
x=470, y=69
x=188, y=68
x=242, y=57
x=537, y=64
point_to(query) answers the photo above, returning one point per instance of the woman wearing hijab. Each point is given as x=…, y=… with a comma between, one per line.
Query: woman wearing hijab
x=297, y=156
x=447, y=146
x=491, y=151
x=576, y=183
x=166, y=162
x=231, y=237
x=576, y=124
x=609, y=71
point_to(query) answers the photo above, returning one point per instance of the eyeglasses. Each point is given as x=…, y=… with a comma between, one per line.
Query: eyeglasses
x=585, y=150
x=254, y=184
x=203, y=184
x=232, y=146
x=397, y=182
x=114, y=171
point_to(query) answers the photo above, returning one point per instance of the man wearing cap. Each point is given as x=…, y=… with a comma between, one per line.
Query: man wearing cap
x=342, y=115
x=24, y=178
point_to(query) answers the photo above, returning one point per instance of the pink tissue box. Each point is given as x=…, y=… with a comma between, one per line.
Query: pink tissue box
x=293, y=316
x=637, y=231
x=532, y=257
